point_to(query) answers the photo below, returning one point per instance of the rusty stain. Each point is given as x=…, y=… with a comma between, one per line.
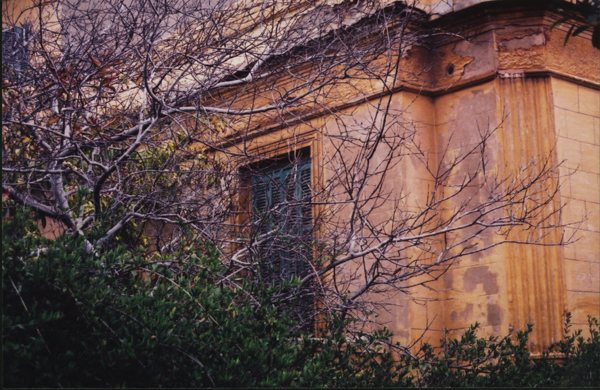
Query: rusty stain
x=481, y=275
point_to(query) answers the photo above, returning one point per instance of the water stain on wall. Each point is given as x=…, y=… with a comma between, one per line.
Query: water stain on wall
x=494, y=314
x=480, y=276
x=463, y=314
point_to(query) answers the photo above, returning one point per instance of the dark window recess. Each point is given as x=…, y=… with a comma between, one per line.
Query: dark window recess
x=282, y=217
x=15, y=56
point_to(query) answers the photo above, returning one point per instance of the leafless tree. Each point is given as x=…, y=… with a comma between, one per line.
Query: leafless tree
x=141, y=116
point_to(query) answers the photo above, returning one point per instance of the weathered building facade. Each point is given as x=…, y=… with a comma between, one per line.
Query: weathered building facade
x=498, y=71
x=499, y=65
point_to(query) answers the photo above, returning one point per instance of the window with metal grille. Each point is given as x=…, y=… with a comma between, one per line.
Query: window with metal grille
x=15, y=56
x=282, y=220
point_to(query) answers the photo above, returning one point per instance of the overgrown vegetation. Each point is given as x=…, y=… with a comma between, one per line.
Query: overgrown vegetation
x=123, y=318
x=470, y=361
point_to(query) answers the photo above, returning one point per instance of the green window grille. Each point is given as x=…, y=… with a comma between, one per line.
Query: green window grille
x=15, y=55
x=281, y=209
x=282, y=220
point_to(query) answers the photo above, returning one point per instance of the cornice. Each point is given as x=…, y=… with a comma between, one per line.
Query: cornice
x=497, y=31
x=429, y=93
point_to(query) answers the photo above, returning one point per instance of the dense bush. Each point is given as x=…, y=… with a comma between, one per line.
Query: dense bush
x=125, y=319
x=122, y=319
x=470, y=361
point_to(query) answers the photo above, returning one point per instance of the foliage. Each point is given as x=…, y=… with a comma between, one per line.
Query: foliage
x=470, y=361
x=590, y=9
x=127, y=319
x=156, y=113
x=130, y=319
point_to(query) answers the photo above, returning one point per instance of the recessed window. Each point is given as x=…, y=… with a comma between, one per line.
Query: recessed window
x=15, y=56
x=283, y=227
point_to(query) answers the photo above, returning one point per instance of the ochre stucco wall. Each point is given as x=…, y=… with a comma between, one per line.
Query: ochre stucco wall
x=475, y=289
x=510, y=73
x=576, y=112
x=515, y=73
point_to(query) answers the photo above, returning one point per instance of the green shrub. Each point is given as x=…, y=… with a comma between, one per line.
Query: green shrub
x=471, y=361
x=124, y=319
x=129, y=319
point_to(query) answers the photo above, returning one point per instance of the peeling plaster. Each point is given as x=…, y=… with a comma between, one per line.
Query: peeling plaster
x=494, y=314
x=522, y=40
x=448, y=280
x=463, y=314
x=481, y=275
